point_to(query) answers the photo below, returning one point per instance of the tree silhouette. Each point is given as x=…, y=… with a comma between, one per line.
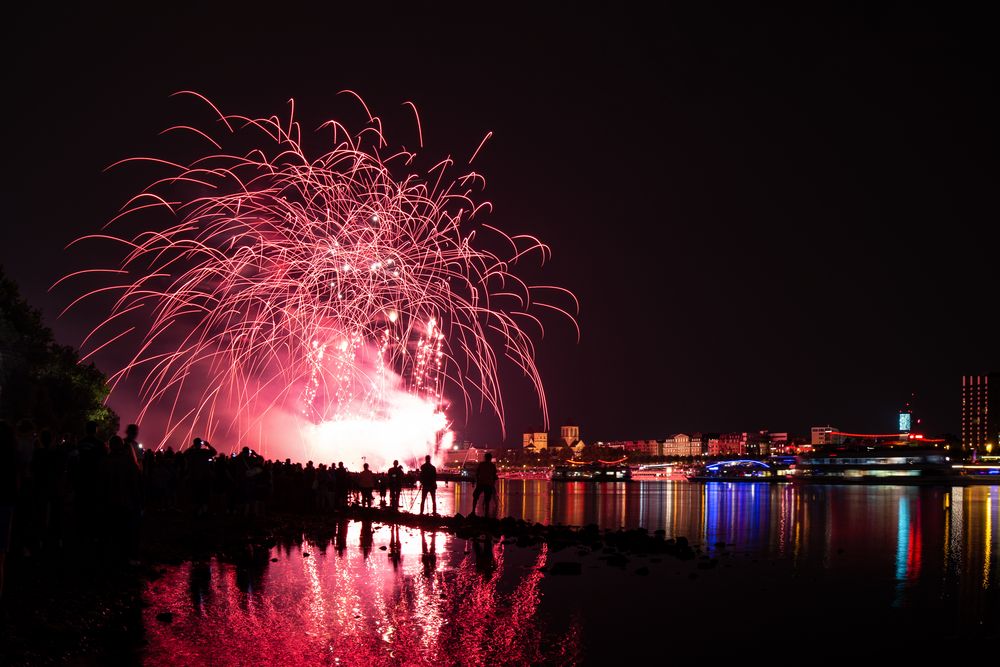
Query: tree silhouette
x=41, y=379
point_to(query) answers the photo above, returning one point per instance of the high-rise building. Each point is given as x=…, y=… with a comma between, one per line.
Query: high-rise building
x=981, y=412
x=905, y=421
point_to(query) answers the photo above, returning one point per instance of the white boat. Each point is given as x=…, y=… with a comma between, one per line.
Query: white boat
x=657, y=472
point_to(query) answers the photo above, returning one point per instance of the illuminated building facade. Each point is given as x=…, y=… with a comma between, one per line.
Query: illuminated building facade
x=640, y=447
x=743, y=443
x=536, y=440
x=773, y=443
x=682, y=445
x=825, y=435
x=980, y=418
x=569, y=435
x=732, y=444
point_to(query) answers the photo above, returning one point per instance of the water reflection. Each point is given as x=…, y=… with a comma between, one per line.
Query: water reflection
x=430, y=599
x=904, y=534
x=783, y=520
x=385, y=594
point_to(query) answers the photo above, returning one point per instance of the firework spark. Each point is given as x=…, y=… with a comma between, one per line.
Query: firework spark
x=346, y=292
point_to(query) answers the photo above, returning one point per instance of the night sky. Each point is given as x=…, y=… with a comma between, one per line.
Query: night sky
x=772, y=219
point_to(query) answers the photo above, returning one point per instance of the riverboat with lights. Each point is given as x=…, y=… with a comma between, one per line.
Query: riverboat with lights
x=596, y=471
x=743, y=470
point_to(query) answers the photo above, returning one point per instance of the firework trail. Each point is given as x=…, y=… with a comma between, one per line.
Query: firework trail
x=323, y=292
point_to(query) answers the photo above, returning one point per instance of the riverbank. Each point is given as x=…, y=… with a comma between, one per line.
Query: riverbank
x=80, y=607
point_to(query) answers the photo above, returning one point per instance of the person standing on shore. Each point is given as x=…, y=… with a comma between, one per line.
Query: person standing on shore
x=199, y=458
x=121, y=484
x=395, y=484
x=486, y=482
x=132, y=443
x=428, y=484
x=366, y=481
x=341, y=483
x=380, y=484
x=86, y=462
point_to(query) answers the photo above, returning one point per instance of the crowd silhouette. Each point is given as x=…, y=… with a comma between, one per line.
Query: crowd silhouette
x=89, y=493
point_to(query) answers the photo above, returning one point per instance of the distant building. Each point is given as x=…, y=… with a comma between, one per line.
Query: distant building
x=756, y=444
x=638, y=447
x=981, y=412
x=731, y=444
x=743, y=443
x=536, y=440
x=569, y=435
x=682, y=444
x=651, y=448
x=825, y=435
x=777, y=443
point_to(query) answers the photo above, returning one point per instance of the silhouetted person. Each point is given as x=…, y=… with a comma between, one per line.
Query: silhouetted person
x=486, y=482
x=380, y=485
x=132, y=443
x=395, y=484
x=366, y=482
x=199, y=456
x=428, y=484
x=324, y=487
x=253, y=480
x=310, y=485
x=162, y=478
x=88, y=462
x=122, y=488
x=342, y=484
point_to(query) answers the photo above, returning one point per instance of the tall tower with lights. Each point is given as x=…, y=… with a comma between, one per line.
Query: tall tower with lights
x=981, y=412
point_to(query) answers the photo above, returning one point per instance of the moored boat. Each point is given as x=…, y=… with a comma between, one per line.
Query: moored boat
x=741, y=470
x=591, y=472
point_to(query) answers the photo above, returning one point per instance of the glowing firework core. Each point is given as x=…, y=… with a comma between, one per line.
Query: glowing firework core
x=316, y=308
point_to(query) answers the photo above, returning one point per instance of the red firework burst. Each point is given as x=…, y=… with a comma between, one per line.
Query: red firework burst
x=320, y=287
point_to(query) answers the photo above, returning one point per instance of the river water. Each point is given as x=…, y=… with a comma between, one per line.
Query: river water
x=785, y=565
